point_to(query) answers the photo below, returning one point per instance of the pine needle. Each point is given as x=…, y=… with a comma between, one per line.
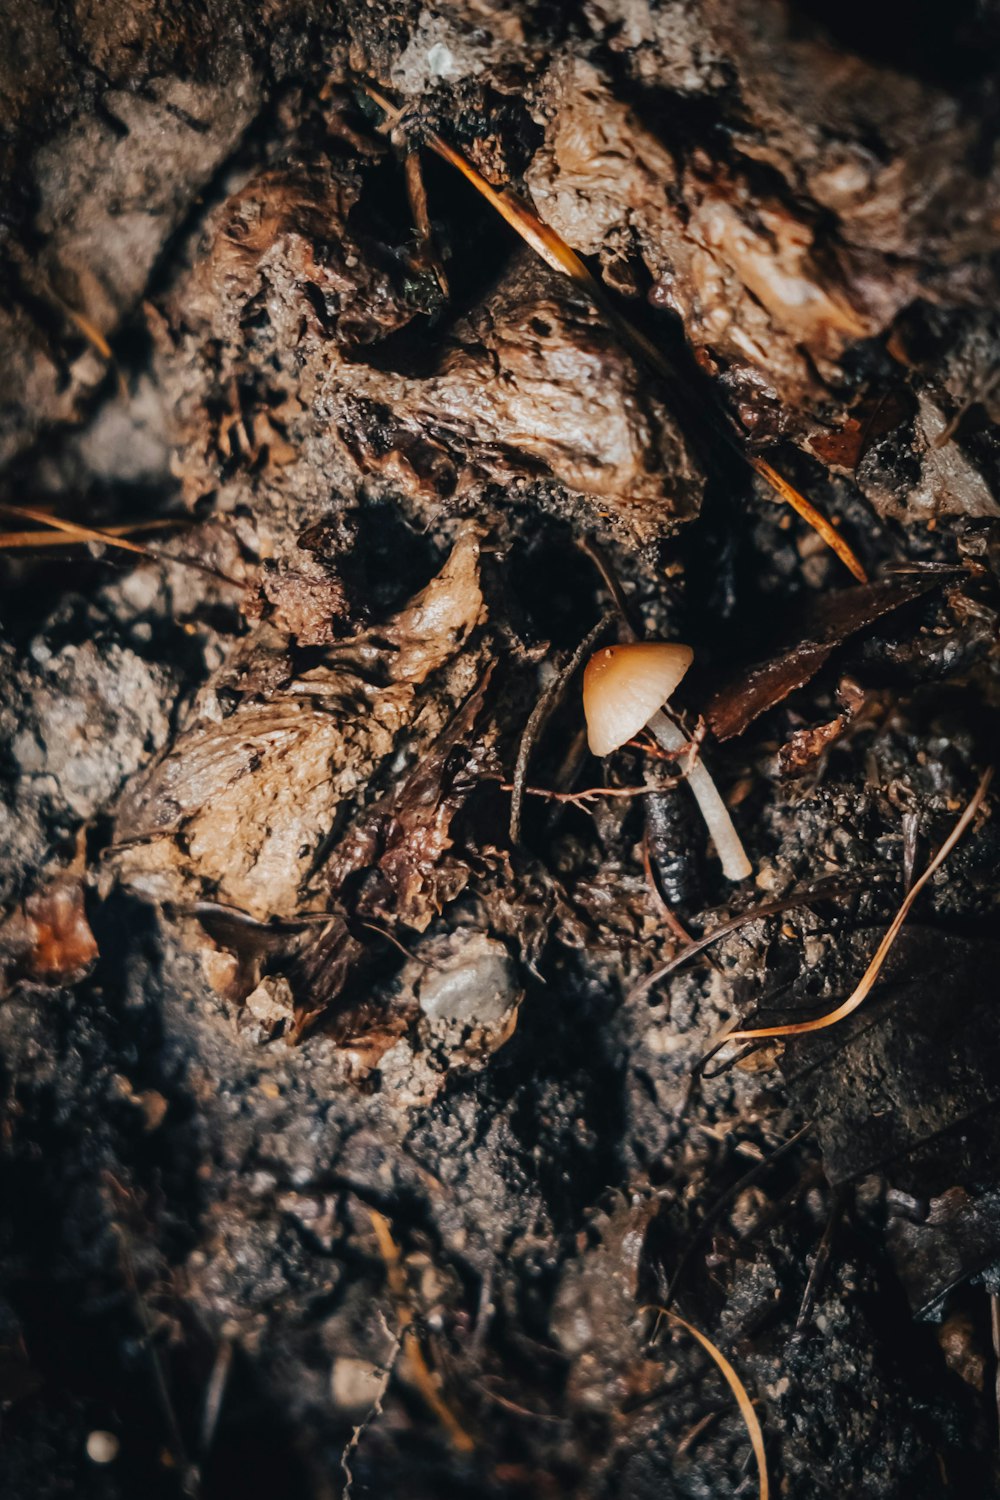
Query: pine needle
x=860, y=994
x=96, y=338
x=808, y=512
x=80, y=533
x=12, y=540
x=738, y=1389
x=72, y=529
x=92, y=334
x=553, y=249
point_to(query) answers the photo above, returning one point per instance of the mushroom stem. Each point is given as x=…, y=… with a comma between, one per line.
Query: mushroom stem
x=728, y=846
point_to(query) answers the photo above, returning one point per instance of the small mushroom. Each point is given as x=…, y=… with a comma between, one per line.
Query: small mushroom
x=624, y=690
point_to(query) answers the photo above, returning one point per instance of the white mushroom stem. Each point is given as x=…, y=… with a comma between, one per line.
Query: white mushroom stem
x=728, y=846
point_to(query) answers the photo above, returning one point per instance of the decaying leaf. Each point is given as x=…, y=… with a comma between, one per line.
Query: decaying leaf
x=844, y=447
x=549, y=244
x=241, y=806
x=405, y=839
x=833, y=618
x=805, y=746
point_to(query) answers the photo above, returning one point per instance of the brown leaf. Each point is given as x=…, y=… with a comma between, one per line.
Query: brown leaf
x=806, y=746
x=753, y=690
x=846, y=446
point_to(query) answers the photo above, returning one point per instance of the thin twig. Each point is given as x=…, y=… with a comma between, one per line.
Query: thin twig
x=836, y=887
x=417, y=194
x=546, y=705
x=612, y=583
x=390, y=937
x=819, y=1265
x=373, y=1413
x=590, y=793
x=776, y=1210
x=190, y=1477
x=690, y=1438
x=215, y=1394
x=995, y=1329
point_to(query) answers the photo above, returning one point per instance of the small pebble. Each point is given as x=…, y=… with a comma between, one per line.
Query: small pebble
x=102, y=1447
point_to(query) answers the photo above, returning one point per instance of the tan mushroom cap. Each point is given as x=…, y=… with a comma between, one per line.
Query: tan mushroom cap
x=623, y=686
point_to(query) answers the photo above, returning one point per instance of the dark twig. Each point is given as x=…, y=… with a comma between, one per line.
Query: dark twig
x=821, y=892
x=190, y=1477
x=698, y=1430
x=810, y=1178
x=819, y=1265
x=995, y=1329
x=589, y=793
x=722, y=1202
x=216, y=1392
x=417, y=194
x=612, y=583
x=546, y=705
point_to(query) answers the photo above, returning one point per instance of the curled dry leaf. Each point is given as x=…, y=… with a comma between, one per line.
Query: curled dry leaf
x=805, y=746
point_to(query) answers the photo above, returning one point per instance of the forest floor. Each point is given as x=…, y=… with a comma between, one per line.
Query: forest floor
x=352, y=1136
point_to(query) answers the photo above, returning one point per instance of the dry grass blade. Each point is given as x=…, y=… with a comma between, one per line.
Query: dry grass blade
x=72, y=529
x=91, y=334
x=12, y=540
x=738, y=1389
x=80, y=533
x=553, y=249
x=96, y=338
x=420, y=1371
x=858, y=995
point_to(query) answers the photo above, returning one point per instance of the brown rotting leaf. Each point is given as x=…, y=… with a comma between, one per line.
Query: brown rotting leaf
x=752, y=690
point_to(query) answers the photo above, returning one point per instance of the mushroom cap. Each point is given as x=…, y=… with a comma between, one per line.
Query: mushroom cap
x=623, y=686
